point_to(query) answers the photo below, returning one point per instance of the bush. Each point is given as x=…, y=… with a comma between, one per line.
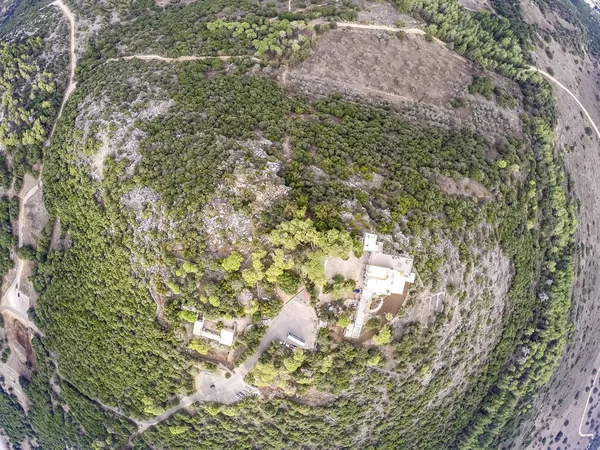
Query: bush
x=233, y=262
x=374, y=323
x=188, y=316
x=383, y=337
x=483, y=86
x=27, y=252
x=288, y=281
x=198, y=346
x=343, y=320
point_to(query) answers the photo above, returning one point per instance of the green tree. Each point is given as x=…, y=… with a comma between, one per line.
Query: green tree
x=188, y=316
x=233, y=262
x=383, y=337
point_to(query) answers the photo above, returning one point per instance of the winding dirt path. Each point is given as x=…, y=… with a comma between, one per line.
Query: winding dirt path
x=564, y=88
x=418, y=31
x=380, y=28
x=72, y=64
x=179, y=59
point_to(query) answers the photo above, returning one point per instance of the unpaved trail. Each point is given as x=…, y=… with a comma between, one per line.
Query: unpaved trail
x=179, y=59
x=563, y=87
x=380, y=28
x=72, y=64
x=586, y=408
x=22, y=204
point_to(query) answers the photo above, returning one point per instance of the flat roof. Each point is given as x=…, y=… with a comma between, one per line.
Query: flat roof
x=226, y=337
x=377, y=272
x=198, y=325
x=370, y=243
x=399, y=263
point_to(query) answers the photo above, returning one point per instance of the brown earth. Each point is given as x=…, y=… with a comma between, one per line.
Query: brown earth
x=35, y=219
x=549, y=21
x=476, y=5
x=19, y=342
x=464, y=187
x=419, y=77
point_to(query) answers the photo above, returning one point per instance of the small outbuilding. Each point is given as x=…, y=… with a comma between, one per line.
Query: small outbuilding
x=225, y=337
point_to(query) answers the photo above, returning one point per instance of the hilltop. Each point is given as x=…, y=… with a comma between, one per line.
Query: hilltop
x=282, y=225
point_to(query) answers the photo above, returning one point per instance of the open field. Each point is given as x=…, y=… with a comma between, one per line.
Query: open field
x=419, y=77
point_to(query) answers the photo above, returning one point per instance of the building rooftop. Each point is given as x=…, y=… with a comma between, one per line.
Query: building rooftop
x=225, y=337
x=384, y=275
x=371, y=244
x=398, y=263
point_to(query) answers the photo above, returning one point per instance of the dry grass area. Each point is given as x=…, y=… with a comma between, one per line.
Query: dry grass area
x=563, y=402
x=381, y=14
x=19, y=341
x=464, y=187
x=477, y=5
x=35, y=219
x=419, y=77
x=549, y=21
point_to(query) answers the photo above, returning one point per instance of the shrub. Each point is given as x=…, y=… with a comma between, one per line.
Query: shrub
x=343, y=320
x=288, y=281
x=383, y=337
x=374, y=323
x=188, y=316
x=483, y=86
x=198, y=346
x=233, y=262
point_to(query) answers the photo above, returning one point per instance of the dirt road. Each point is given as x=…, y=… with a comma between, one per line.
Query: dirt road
x=562, y=86
x=380, y=28
x=179, y=59
x=72, y=64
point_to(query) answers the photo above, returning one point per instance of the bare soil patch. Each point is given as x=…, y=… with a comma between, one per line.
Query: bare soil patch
x=56, y=241
x=393, y=304
x=25, y=284
x=464, y=187
x=419, y=77
x=315, y=398
x=476, y=5
x=21, y=351
x=349, y=268
x=35, y=219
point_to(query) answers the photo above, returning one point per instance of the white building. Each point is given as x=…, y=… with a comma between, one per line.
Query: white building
x=383, y=275
x=225, y=337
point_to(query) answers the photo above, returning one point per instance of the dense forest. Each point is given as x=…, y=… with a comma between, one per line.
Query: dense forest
x=149, y=245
